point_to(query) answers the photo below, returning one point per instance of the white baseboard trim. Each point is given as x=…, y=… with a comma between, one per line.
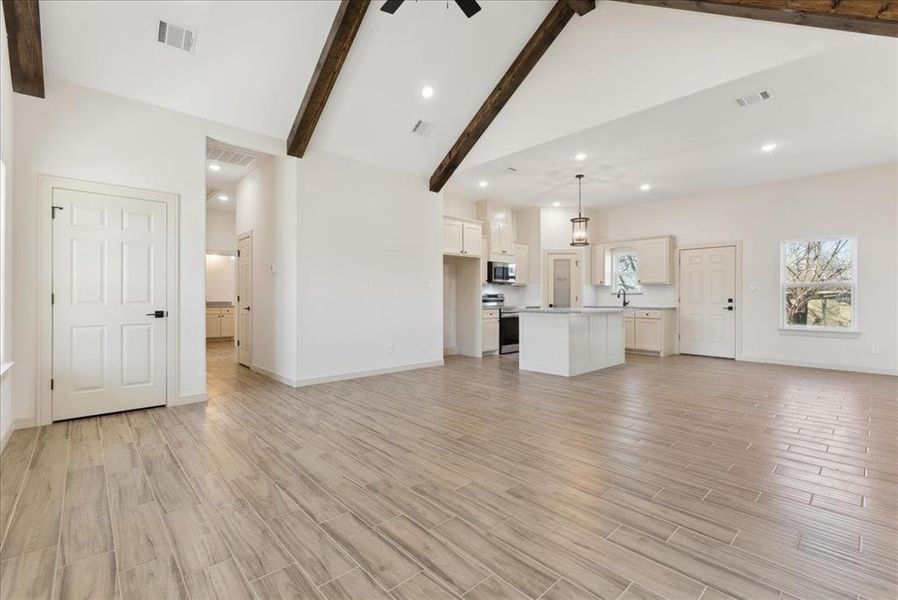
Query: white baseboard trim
x=23, y=423
x=812, y=365
x=272, y=375
x=369, y=373
x=188, y=399
x=5, y=437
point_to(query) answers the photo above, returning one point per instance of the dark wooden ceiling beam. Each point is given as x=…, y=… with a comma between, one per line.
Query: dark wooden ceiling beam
x=533, y=50
x=876, y=17
x=23, y=35
x=333, y=55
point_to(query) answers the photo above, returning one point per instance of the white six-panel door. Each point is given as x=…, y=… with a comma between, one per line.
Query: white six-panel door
x=109, y=262
x=707, y=301
x=244, y=299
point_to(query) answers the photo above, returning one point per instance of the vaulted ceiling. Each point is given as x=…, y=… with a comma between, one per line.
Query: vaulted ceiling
x=254, y=59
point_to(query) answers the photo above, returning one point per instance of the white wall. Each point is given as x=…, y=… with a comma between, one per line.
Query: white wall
x=860, y=202
x=83, y=134
x=221, y=231
x=370, y=268
x=266, y=206
x=6, y=238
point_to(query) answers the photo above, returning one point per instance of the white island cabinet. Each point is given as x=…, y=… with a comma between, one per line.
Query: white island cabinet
x=570, y=341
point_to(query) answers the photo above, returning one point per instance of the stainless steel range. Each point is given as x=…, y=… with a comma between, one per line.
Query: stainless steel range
x=508, y=322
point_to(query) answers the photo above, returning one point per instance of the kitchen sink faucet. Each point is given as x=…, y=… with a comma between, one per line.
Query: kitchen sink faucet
x=624, y=292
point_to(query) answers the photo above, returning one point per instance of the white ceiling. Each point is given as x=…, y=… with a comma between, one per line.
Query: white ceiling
x=620, y=59
x=832, y=111
x=253, y=61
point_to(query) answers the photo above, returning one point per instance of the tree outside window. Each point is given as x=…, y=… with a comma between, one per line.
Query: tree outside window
x=819, y=283
x=625, y=271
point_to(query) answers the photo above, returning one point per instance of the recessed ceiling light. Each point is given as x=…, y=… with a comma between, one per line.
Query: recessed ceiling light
x=427, y=91
x=483, y=183
x=556, y=204
x=580, y=156
x=214, y=167
x=768, y=147
x=223, y=198
x=645, y=187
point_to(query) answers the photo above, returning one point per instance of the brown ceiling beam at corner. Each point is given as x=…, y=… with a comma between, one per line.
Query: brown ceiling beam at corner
x=333, y=55
x=581, y=7
x=876, y=17
x=26, y=58
x=533, y=50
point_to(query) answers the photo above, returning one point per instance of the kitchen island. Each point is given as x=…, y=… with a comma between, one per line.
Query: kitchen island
x=570, y=341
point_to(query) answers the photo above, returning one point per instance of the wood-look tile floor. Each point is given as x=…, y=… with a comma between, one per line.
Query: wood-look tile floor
x=680, y=477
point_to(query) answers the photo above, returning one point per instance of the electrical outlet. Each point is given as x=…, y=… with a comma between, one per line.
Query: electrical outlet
x=875, y=348
x=389, y=348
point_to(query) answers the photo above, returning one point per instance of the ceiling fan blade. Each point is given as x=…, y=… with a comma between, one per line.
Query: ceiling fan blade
x=469, y=7
x=390, y=6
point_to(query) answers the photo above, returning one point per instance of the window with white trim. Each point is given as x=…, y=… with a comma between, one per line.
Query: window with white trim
x=819, y=284
x=625, y=271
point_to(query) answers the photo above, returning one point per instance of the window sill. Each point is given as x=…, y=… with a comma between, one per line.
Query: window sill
x=4, y=367
x=820, y=332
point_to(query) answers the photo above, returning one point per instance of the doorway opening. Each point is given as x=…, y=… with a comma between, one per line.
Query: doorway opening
x=562, y=283
x=237, y=202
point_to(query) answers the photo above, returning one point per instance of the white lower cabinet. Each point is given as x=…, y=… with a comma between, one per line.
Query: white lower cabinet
x=220, y=323
x=629, y=332
x=652, y=331
x=490, y=340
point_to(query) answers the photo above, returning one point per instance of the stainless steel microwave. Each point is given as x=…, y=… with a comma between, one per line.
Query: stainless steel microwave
x=499, y=272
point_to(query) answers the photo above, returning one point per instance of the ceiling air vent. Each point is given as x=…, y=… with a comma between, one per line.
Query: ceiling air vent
x=422, y=128
x=223, y=154
x=511, y=169
x=753, y=98
x=178, y=36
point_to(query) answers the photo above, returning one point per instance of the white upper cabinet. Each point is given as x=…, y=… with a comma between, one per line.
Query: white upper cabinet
x=598, y=272
x=501, y=242
x=655, y=261
x=522, y=263
x=462, y=237
x=453, y=236
x=472, y=237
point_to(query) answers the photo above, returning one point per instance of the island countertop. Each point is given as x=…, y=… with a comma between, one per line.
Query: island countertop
x=572, y=311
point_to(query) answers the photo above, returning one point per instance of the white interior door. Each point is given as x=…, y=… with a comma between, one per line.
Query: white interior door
x=244, y=299
x=563, y=279
x=708, y=301
x=109, y=278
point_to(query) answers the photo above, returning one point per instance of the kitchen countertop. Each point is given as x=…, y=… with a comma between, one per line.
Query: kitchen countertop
x=635, y=306
x=573, y=311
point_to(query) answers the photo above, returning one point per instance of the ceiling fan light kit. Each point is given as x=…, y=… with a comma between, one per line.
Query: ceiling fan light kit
x=469, y=7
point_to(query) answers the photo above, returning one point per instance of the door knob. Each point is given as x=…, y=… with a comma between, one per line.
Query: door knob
x=159, y=314
x=727, y=308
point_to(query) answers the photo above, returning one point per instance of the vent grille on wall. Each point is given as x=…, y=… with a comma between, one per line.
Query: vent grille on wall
x=177, y=36
x=226, y=155
x=753, y=98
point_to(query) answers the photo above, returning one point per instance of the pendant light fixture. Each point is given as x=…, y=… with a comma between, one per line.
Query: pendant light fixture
x=579, y=223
